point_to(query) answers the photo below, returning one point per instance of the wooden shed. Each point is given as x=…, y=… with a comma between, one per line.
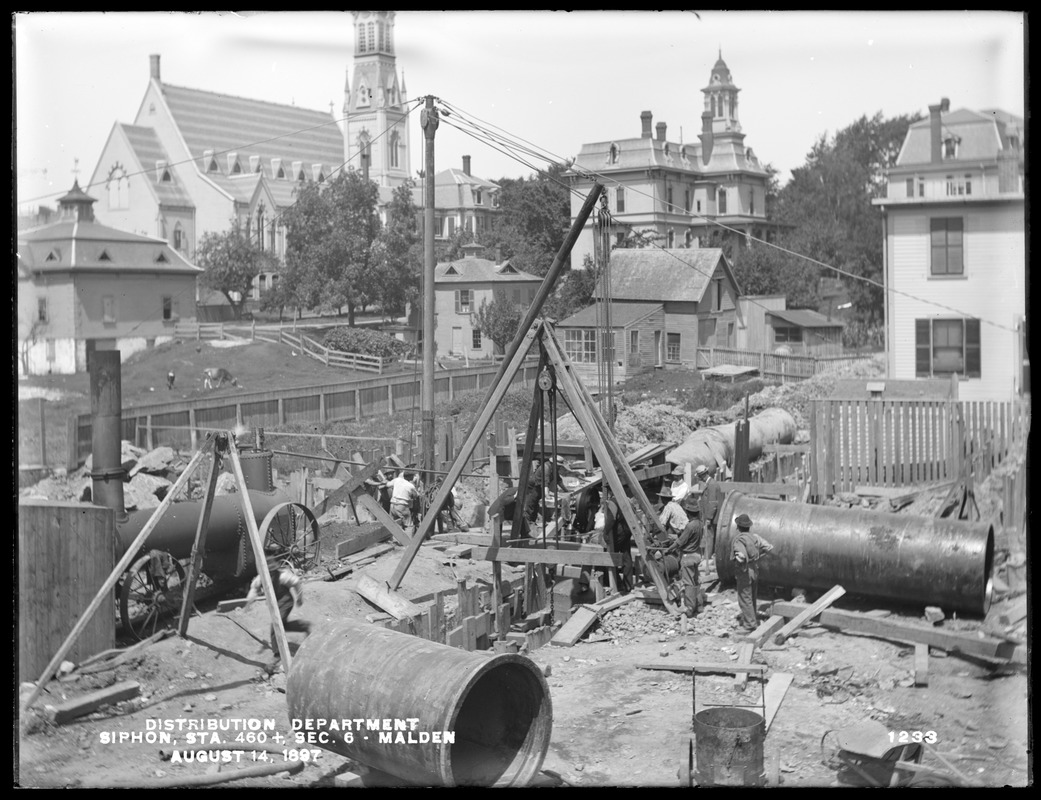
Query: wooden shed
x=804, y=332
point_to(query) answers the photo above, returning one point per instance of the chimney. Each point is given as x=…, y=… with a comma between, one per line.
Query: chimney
x=935, y=131
x=1008, y=172
x=645, y=119
x=466, y=165
x=706, y=137
x=154, y=62
x=660, y=127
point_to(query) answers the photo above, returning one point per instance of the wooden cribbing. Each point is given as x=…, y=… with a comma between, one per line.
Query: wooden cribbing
x=774, y=693
x=765, y=629
x=744, y=656
x=706, y=666
x=78, y=706
x=825, y=600
x=856, y=622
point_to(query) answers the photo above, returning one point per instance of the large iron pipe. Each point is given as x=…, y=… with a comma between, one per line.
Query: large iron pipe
x=106, y=407
x=175, y=532
x=713, y=444
x=915, y=560
x=498, y=707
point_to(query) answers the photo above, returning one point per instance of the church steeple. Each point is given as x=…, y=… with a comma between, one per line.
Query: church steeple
x=374, y=102
x=721, y=98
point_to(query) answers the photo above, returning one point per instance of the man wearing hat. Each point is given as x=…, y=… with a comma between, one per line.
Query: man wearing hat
x=405, y=498
x=672, y=517
x=746, y=551
x=682, y=557
x=544, y=479
x=679, y=483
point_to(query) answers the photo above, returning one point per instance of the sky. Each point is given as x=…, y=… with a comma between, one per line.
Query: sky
x=556, y=80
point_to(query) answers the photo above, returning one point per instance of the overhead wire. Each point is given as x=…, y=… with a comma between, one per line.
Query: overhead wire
x=606, y=179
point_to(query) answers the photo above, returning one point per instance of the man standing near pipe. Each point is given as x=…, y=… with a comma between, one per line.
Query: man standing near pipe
x=711, y=500
x=748, y=548
x=404, y=498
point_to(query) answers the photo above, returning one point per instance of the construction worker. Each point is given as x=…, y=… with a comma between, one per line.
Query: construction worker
x=289, y=593
x=711, y=500
x=682, y=559
x=544, y=479
x=404, y=498
x=617, y=534
x=746, y=551
x=672, y=517
x=679, y=483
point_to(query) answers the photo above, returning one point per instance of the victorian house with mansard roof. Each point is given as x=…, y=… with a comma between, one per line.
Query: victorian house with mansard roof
x=678, y=194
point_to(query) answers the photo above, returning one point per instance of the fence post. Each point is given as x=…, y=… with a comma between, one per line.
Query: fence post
x=43, y=432
x=192, y=432
x=762, y=365
x=72, y=443
x=281, y=411
x=253, y=330
x=148, y=433
x=390, y=399
x=321, y=408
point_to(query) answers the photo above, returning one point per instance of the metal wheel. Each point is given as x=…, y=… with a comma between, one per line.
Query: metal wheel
x=152, y=589
x=290, y=534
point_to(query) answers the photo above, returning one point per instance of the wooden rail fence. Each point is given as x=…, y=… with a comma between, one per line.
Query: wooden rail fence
x=328, y=356
x=909, y=442
x=178, y=424
x=773, y=366
x=199, y=330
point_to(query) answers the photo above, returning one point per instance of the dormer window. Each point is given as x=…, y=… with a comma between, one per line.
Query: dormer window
x=316, y=173
x=162, y=174
x=478, y=199
x=950, y=147
x=276, y=168
x=104, y=256
x=234, y=168
x=162, y=259
x=612, y=154
x=254, y=163
x=54, y=255
x=668, y=152
x=298, y=171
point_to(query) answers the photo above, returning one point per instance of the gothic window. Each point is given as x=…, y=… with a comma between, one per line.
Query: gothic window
x=260, y=226
x=364, y=95
x=212, y=166
x=281, y=173
x=370, y=43
x=178, y=237
x=379, y=30
x=118, y=188
x=395, y=143
x=619, y=195
x=236, y=168
x=167, y=177
x=722, y=209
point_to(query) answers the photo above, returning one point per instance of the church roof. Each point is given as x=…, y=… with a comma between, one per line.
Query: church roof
x=148, y=150
x=224, y=123
x=655, y=274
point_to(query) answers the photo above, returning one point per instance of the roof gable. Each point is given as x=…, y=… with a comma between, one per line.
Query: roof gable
x=660, y=275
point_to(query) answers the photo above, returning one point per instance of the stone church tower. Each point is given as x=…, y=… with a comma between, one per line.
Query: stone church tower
x=374, y=103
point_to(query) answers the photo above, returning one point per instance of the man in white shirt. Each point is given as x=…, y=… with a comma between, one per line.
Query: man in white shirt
x=680, y=487
x=404, y=498
x=672, y=518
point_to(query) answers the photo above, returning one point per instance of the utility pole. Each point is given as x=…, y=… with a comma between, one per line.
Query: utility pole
x=429, y=121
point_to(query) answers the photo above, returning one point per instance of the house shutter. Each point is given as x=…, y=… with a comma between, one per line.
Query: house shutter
x=972, y=348
x=923, y=360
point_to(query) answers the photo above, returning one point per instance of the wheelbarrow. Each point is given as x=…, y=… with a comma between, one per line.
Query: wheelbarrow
x=867, y=755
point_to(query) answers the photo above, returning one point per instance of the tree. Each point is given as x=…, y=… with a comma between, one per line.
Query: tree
x=232, y=260
x=828, y=201
x=498, y=320
x=573, y=292
x=330, y=231
x=397, y=255
x=763, y=269
x=536, y=216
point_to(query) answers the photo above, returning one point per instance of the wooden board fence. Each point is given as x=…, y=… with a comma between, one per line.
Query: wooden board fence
x=909, y=442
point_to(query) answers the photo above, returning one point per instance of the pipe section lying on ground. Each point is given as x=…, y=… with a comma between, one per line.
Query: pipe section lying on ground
x=497, y=707
x=915, y=560
x=715, y=444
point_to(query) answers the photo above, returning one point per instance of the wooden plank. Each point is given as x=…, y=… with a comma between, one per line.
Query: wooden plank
x=78, y=706
x=575, y=628
x=480, y=539
x=825, y=600
x=469, y=633
x=533, y=555
x=921, y=664
x=391, y=602
x=744, y=656
x=353, y=482
x=774, y=693
x=371, y=552
x=856, y=622
x=437, y=618
x=773, y=447
x=225, y=606
x=370, y=504
x=765, y=629
x=459, y=551
x=729, y=668
x=368, y=534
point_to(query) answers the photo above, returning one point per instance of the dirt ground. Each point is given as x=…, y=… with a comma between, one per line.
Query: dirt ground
x=613, y=724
